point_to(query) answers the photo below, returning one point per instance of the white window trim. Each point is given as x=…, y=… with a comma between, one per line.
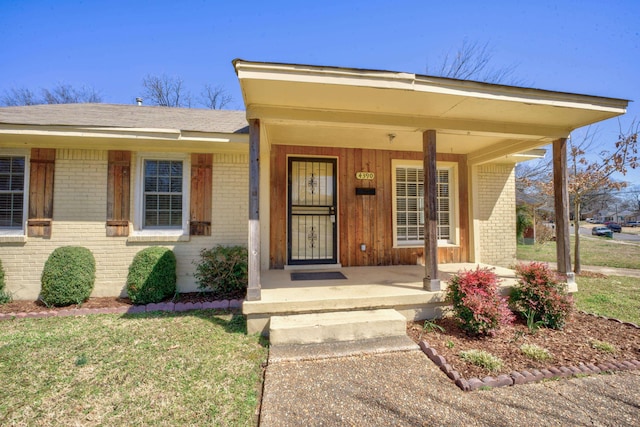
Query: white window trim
x=10, y=234
x=453, y=203
x=140, y=233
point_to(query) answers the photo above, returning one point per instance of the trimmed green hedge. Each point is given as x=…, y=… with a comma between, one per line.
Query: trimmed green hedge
x=68, y=276
x=152, y=275
x=5, y=296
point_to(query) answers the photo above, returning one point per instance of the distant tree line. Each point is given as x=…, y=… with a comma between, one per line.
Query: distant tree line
x=158, y=90
x=60, y=94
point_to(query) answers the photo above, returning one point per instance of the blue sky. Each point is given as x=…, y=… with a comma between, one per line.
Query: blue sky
x=583, y=46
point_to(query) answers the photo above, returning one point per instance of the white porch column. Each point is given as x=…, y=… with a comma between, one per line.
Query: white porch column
x=430, y=282
x=254, y=287
x=561, y=206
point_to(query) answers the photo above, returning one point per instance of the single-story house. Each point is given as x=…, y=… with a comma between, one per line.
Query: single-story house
x=386, y=177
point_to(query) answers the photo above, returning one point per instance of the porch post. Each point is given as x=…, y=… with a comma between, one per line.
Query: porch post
x=561, y=206
x=430, y=282
x=253, y=288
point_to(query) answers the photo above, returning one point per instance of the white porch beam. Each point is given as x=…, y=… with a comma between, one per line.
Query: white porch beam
x=397, y=122
x=502, y=149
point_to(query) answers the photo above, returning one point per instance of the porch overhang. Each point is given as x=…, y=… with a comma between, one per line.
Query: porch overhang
x=331, y=106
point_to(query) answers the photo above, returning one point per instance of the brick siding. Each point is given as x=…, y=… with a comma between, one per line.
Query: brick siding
x=79, y=214
x=497, y=215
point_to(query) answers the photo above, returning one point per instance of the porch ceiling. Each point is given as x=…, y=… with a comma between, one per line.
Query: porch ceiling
x=310, y=105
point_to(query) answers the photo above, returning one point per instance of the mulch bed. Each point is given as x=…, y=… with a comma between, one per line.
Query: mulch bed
x=94, y=303
x=569, y=347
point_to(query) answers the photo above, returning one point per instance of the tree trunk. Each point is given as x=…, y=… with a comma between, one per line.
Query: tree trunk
x=576, y=251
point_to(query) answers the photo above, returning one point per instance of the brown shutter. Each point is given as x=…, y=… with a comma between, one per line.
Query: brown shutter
x=200, y=219
x=118, y=190
x=42, y=166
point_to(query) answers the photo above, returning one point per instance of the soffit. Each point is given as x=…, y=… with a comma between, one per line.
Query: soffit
x=309, y=105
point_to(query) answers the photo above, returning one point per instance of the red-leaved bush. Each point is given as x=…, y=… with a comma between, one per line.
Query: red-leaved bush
x=476, y=302
x=541, y=294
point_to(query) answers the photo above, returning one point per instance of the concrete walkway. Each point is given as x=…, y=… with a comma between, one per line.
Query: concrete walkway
x=406, y=389
x=609, y=271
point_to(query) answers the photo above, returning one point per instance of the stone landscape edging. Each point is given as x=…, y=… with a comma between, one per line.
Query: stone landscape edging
x=525, y=376
x=145, y=308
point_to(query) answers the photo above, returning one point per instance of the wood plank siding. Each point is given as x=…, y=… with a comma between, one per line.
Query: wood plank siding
x=362, y=218
x=118, y=193
x=43, y=161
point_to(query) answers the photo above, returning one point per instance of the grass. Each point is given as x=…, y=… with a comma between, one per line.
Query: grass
x=483, y=359
x=149, y=369
x=593, y=251
x=603, y=346
x=613, y=296
x=535, y=352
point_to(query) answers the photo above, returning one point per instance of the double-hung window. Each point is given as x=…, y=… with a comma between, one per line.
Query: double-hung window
x=163, y=193
x=162, y=201
x=409, y=204
x=13, y=197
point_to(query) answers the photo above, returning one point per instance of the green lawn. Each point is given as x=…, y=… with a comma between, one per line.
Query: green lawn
x=195, y=368
x=593, y=251
x=614, y=296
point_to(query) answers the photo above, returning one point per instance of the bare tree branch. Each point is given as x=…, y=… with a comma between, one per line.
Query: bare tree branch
x=60, y=94
x=471, y=61
x=214, y=97
x=165, y=91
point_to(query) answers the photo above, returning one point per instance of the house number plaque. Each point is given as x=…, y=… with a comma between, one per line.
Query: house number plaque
x=365, y=175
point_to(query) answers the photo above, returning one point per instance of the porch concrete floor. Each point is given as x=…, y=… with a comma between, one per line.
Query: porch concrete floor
x=365, y=288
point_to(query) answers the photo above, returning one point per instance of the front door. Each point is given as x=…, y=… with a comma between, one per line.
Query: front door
x=312, y=211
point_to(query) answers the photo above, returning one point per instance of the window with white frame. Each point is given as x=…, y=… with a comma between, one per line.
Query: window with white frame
x=12, y=191
x=162, y=194
x=409, y=205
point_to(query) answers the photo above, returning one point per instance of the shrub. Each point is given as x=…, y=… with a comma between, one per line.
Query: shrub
x=68, y=276
x=544, y=233
x=483, y=359
x=5, y=296
x=535, y=352
x=152, y=275
x=479, y=308
x=540, y=296
x=223, y=270
x=603, y=346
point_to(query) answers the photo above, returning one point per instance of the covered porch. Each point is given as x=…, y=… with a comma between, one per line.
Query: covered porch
x=410, y=169
x=398, y=287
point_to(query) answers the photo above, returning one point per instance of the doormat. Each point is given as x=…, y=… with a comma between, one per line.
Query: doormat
x=317, y=275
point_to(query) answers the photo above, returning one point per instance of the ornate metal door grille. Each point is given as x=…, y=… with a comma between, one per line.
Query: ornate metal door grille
x=312, y=211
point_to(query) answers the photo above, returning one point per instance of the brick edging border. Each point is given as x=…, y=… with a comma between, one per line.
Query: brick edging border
x=524, y=376
x=163, y=306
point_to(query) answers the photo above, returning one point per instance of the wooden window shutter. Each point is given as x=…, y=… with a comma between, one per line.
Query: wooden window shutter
x=118, y=193
x=42, y=167
x=200, y=212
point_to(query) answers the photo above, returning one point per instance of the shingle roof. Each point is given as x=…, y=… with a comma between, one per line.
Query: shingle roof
x=127, y=116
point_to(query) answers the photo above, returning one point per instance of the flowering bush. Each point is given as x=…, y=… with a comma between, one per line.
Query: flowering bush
x=540, y=294
x=476, y=302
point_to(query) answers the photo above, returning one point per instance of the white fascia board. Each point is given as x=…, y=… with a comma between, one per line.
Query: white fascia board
x=126, y=133
x=427, y=84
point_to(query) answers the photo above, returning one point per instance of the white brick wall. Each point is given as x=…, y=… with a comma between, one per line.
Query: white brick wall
x=79, y=213
x=496, y=209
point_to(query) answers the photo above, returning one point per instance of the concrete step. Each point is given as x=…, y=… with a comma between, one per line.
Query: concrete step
x=336, y=326
x=332, y=350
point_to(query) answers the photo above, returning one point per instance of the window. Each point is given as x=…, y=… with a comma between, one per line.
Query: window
x=162, y=196
x=12, y=193
x=409, y=205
